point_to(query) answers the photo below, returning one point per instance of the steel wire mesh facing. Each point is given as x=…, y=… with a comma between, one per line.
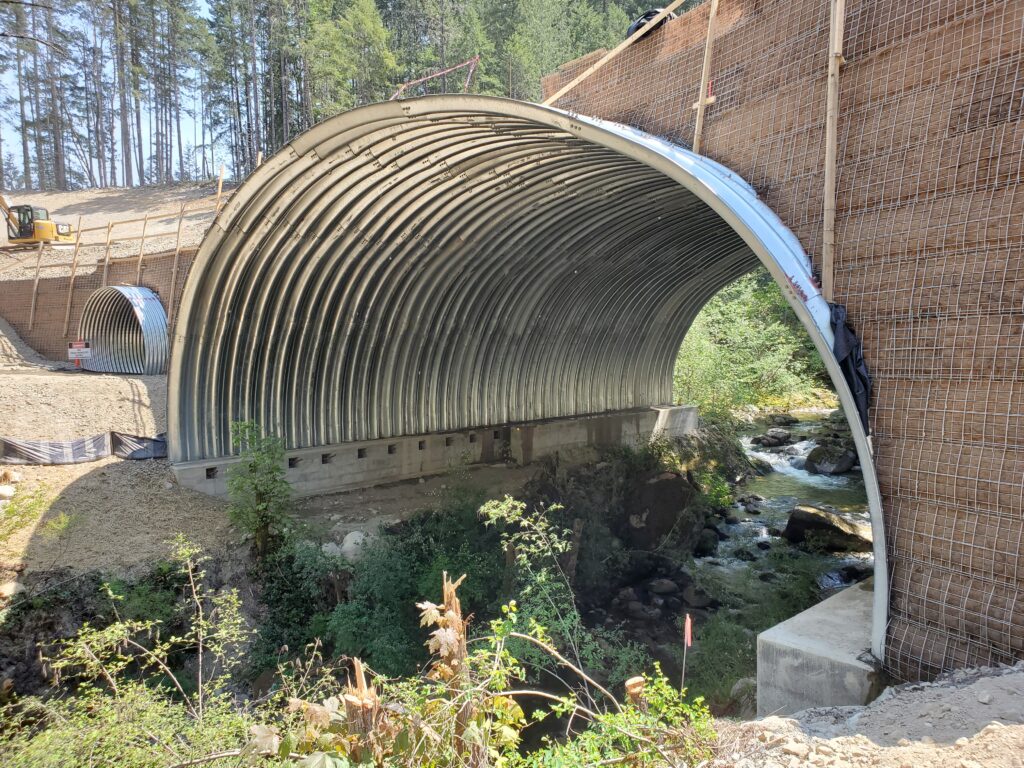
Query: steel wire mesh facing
x=929, y=260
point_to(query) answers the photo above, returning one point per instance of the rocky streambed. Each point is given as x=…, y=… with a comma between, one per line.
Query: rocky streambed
x=797, y=532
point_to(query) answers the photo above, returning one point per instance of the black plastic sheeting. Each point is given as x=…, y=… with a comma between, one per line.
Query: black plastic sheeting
x=850, y=355
x=82, y=449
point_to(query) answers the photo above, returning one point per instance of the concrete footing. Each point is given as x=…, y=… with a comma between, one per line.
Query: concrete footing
x=819, y=658
x=347, y=466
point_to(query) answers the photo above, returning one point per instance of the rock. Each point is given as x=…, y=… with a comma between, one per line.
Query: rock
x=353, y=545
x=707, y=543
x=626, y=595
x=782, y=435
x=767, y=576
x=695, y=597
x=636, y=609
x=796, y=749
x=7, y=492
x=331, y=549
x=10, y=589
x=984, y=697
x=830, y=460
x=782, y=419
x=827, y=530
x=10, y=476
x=662, y=586
x=745, y=555
x=764, y=546
x=661, y=506
x=732, y=519
x=744, y=697
x=856, y=572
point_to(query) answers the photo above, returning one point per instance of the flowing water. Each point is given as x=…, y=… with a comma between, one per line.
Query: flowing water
x=787, y=485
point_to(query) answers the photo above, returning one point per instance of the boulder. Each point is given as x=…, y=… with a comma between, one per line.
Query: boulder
x=353, y=545
x=331, y=549
x=7, y=492
x=827, y=530
x=695, y=597
x=707, y=543
x=830, y=460
x=743, y=698
x=660, y=506
x=773, y=438
x=662, y=587
x=782, y=419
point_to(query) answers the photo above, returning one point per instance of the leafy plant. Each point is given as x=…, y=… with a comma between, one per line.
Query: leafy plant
x=259, y=491
x=545, y=595
x=749, y=331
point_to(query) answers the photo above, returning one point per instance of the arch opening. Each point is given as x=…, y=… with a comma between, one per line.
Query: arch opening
x=462, y=262
x=126, y=326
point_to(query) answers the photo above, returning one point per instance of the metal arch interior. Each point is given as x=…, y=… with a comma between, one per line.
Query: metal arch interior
x=127, y=328
x=450, y=262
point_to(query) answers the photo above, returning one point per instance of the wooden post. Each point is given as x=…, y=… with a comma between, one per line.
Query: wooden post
x=71, y=282
x=259, y=158
x=611, y=54
x=220, y=189
x=703, y=99
x=172, y=303
x=35, y=287
x=835, y=62
x=106, y=253
x=142, y=248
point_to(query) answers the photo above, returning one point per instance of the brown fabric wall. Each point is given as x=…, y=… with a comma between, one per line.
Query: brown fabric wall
x=929, y=260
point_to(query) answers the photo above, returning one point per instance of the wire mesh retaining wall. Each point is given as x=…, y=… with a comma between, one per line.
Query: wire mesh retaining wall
x=43, y=291
x=929, y=259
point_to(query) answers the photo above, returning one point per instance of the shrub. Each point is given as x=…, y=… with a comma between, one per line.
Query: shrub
x=257, y=486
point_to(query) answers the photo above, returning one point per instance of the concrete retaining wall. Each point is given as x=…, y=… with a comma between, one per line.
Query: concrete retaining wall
x=346, y=466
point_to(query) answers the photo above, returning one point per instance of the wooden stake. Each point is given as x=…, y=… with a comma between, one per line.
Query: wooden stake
x=614, y=52
x=172, y=303
x=835, y=61
x=142, y=247
x=705, y=74
x=35, y=287
x=71, y=282
x=220, y=188
x=106, y=253
x=259, y=158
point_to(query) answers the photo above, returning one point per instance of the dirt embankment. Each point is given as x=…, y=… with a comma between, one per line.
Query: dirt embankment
x=965, y=719
x=98, y=207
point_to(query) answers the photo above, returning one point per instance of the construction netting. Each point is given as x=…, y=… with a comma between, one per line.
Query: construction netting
x=928, y=259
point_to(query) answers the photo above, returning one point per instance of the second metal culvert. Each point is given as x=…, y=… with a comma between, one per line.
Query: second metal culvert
x=126, y=326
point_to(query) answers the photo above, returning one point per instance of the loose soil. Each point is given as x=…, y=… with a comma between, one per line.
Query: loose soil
x=97, y=207
x=965, y=719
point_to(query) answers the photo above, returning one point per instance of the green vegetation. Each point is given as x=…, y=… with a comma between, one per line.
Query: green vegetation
x=138, y=693
x=25, y=508
x=768, y=592
x=223, y=81
x=750, y=331
x=258, y=487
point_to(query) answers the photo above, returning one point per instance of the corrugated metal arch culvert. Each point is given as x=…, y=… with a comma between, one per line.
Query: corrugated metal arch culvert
x=126, y=326
x=454, y=262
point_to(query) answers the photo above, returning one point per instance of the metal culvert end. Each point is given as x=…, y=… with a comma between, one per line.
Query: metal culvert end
x=126, y=326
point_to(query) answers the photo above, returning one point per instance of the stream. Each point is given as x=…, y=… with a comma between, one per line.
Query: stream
x=784, y=487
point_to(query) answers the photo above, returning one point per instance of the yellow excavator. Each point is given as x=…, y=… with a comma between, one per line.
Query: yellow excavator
x=28, y=225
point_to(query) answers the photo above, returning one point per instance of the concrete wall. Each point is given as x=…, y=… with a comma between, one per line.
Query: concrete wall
x=819, y=658
x=347, y=466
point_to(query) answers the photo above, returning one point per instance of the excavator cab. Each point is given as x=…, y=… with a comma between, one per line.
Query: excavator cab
x=27, y=224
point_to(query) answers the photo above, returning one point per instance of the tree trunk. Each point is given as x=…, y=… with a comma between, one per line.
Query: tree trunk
x=26, y=160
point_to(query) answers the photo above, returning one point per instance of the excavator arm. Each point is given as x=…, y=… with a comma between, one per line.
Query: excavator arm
x=10, y=217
